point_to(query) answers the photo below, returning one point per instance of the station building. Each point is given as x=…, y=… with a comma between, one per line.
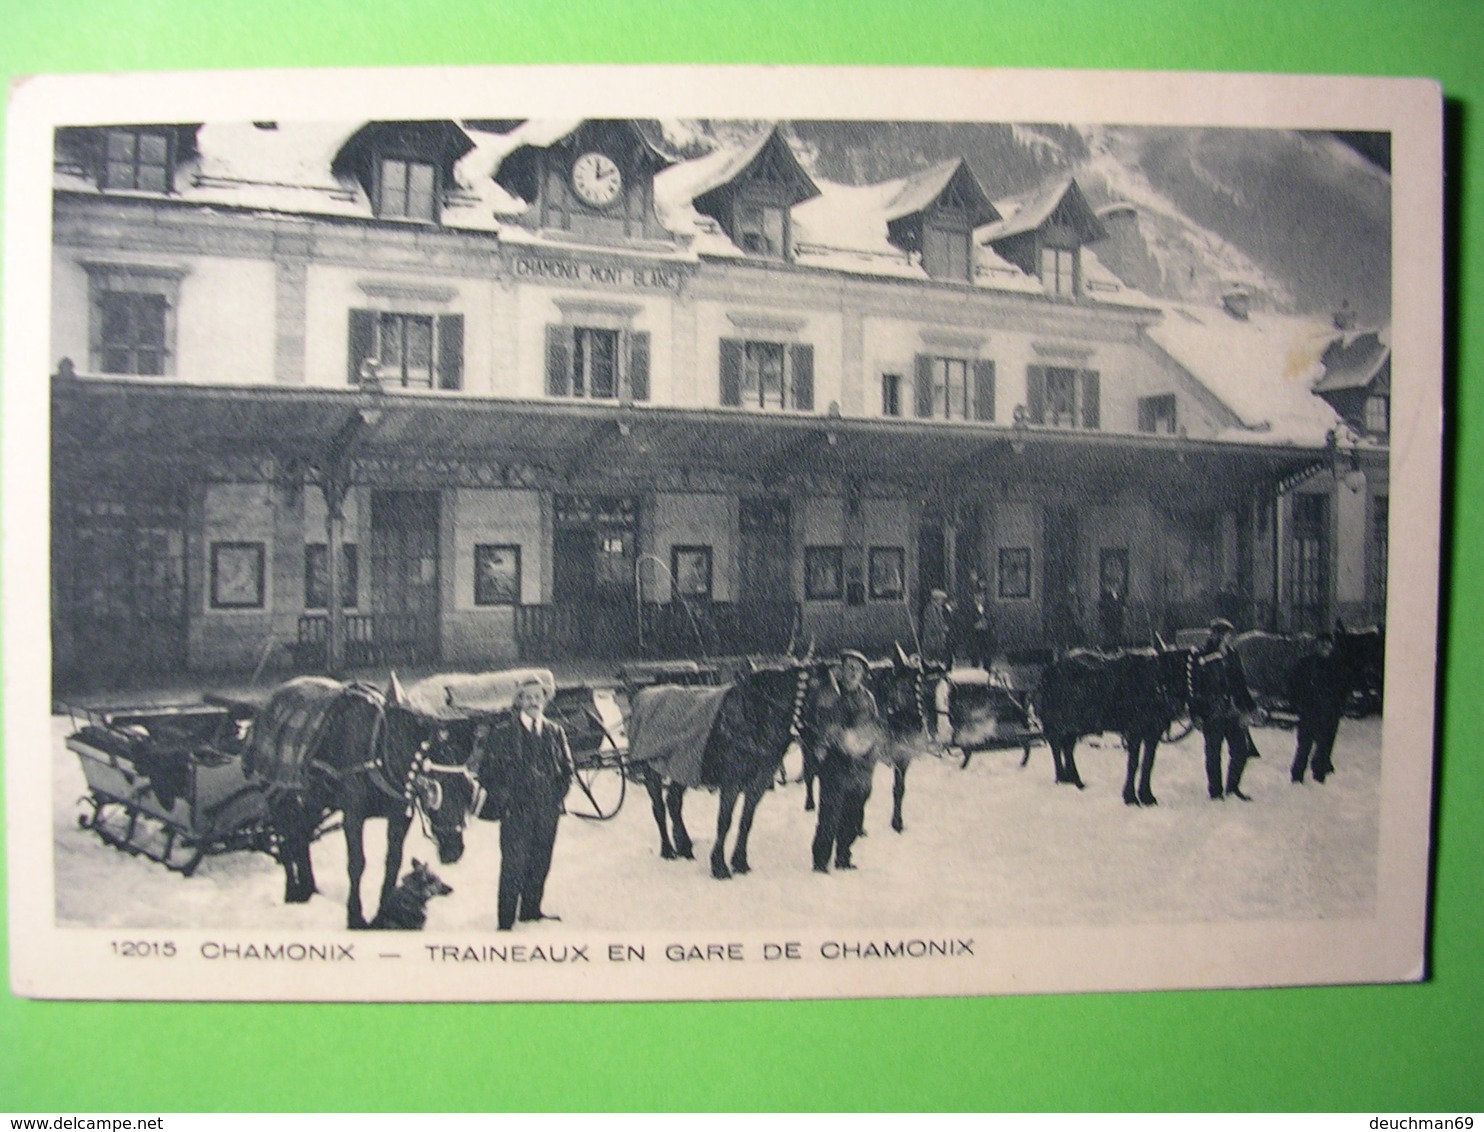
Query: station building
x=554, y=390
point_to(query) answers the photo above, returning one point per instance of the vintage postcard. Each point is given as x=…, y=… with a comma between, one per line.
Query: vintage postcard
x=698, y=533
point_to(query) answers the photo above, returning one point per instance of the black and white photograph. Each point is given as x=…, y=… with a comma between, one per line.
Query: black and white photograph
x=612, y=533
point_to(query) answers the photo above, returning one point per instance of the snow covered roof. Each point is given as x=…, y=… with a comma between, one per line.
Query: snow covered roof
x=1263, y=368
x=921, y=189
x=1352, y=361
x=1034, y=211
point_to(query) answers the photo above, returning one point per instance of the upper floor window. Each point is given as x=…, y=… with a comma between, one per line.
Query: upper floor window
x=132, y=318
x=1059, y=271
x=1378, y=414
x=762, y=230
x=956, y=389
x=767, y=375
x=406, y=189
x=1063, y=397
x=414, y=351
x=891, y=394
x=945, y=253
x=598, y=363
x=1157, y=414
x=136, y=158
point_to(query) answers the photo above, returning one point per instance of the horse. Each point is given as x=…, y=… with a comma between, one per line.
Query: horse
x=903, y=688
x=731, y=739
x=1134, y=693
x=322, y=746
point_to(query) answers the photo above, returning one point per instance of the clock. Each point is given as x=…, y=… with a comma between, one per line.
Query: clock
x=596, y=179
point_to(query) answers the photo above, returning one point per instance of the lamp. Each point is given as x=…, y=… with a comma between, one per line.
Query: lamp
x=1352, y=477
x=1020, y=425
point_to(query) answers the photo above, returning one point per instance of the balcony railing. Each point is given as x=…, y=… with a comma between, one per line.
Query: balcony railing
x=370, y=639
x=674, y=630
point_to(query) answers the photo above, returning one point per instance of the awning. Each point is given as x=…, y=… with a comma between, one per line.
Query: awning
x=158, y=420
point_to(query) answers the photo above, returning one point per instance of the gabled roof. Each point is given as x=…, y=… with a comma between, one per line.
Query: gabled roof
x=747, y=162
x=1038, y=209
x=1352, y=361
x=921, y=189
x=447, y=138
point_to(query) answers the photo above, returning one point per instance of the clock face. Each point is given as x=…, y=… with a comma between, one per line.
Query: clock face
x=596, y=179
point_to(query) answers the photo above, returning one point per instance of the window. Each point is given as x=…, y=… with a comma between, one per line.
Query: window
x=496, y=574
x=414, y=351
x=955, y=388
x=945, y=253
x=1059, y=271
x=1378, y=414
x=1062, y=397
x=406, y=190
x=767, y=375
x=1157, y=414
x=136, y=159
x=132, y=325
x=824, y=573
x=888, y=573
x=761, y=230
x=317, y=575
x=891, y=394
x=690, y=569
x=597, y=363
x=1309, y=562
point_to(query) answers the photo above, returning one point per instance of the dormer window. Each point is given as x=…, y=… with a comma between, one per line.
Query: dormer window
x=404, y=167
x=761, y=230
x=1378, y=414
x=945, y=253
x=932, y=216
x=407, y=189
x=136, y=158
x=1059, y=271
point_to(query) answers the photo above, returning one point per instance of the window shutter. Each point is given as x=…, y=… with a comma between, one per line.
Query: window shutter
x=1091, y=410
x=639, y=365
x=924, y=378
x=451, y=351
x=731, y=371
x=558, y=361
x=362, y=342
x=984, y=390
x=1035, y=394
x=801, y=366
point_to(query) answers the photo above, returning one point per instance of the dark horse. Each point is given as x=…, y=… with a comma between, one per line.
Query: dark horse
x=903, y=688
x=751, y=730
x=323, y=747
x=1134, y=693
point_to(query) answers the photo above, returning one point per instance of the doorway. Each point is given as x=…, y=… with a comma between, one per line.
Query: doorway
x=404, y=576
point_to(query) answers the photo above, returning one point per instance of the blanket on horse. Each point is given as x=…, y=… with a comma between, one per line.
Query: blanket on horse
x=461, y=694
x=669, y=727
x=288, y=731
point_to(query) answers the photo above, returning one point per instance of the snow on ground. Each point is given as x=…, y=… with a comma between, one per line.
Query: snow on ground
x=994, y=845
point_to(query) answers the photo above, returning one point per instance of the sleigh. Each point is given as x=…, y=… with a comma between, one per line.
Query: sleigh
x=167, y=783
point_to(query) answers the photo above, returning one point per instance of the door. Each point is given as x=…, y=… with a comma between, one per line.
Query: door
x=765, y=587
x=404, y=575
x=595, y=548
x=1062, y=609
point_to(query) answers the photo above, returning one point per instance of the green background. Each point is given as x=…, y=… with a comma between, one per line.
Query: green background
x=1365, y=1048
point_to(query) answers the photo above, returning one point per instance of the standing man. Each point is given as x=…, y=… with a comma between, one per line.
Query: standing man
x=1317, y=691
x=935, y=646
x=1219, y=707
x=850, y=729
x=528, y=765
x=978, y=622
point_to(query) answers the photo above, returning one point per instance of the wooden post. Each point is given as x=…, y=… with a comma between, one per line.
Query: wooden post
x=334, y=486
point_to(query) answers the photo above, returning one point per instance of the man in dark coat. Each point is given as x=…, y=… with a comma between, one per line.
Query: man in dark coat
x=527, y=767
x=1221, y=703
x=935, y=621
x=976, y=616
x=850, y=728
x=1317, y=692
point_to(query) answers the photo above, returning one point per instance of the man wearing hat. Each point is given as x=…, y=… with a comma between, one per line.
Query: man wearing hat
x=1317, y=692
x=527, y=760
x=850, y=727
x=1218, y=708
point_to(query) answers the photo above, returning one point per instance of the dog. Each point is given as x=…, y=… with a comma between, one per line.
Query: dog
x=406, y=909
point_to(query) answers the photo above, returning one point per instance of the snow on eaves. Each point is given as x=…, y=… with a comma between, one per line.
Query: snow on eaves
x=1262, y=368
